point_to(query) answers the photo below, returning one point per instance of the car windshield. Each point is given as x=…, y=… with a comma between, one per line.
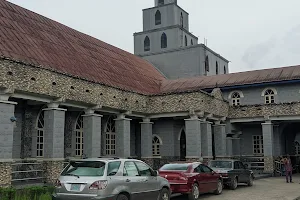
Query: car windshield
x=221, y=164
x=84, y=168
x=175, y=167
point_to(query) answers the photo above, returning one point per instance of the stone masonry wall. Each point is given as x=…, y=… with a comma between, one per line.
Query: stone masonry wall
x=32, y=79
x=52, y=170
x=282, y=109
x=5, y=174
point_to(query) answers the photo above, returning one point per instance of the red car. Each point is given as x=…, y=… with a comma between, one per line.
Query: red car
x=192, y=179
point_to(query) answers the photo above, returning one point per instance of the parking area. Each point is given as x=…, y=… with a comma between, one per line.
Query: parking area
x=264, y=189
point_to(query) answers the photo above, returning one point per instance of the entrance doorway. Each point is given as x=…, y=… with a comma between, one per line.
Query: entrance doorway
x=182, y=145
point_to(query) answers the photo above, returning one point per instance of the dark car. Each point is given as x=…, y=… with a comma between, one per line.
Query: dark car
x=191, y=179
x=233, y=172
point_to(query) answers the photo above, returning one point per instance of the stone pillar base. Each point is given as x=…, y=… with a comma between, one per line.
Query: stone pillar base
x=5, y=174
x=52, y=170
x=269, y=165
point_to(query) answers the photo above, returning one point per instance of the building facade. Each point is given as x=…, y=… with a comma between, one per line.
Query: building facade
x=65, y=95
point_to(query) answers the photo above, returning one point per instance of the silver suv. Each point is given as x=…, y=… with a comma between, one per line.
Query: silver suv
x=110, y=179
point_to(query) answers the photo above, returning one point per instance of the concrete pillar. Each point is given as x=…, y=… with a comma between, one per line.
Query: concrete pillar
x=206, y=140
x=229, y=146
x=123, y=136
x=146, y=141
x=7, y=112
x=92, y=135
x=146, y=138
x=277, y=141
x=236, y=146
x=54, y=128
x=268, y=139
x=193, y=138
x=220, y=140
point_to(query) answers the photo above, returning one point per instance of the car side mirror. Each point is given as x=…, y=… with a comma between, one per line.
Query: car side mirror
x=156, y=173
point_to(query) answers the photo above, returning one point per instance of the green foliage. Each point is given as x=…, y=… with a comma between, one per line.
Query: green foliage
x=28, y=193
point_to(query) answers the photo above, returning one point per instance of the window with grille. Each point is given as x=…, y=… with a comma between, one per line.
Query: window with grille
x=157, y=18
x=269, y=96
x=164, y=41
x=161, y=2
x=206, y=64
x=258, y=144
x=110, y=134
x=236, y=98
x=297, y=148
x=156, y=143
x=79, y=136
x=147, y=44
x=40, y=135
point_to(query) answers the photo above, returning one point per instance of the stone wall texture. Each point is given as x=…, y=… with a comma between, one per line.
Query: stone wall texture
x=31, y=79
x=282, y=109
x=52, y=170
x=5, y=174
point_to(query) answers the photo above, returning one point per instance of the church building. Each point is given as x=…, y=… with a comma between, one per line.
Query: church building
x=66, y=95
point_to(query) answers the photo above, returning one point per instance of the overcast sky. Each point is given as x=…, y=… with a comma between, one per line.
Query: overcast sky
x=252, y=34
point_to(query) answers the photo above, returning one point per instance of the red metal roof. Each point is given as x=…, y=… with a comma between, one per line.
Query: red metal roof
x=234, y=79
x=32, y=38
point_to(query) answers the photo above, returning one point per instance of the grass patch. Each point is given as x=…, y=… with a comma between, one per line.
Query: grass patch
x=29, y=193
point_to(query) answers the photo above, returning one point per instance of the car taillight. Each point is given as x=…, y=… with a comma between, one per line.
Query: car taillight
x=58, y=184
x=98, y=185
x=224, y=175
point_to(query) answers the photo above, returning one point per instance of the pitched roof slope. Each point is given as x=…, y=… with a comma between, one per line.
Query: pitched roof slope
x=32, y=38
x=234, y=79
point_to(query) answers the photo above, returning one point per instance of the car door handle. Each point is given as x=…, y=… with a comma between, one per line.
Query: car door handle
x=127, y=180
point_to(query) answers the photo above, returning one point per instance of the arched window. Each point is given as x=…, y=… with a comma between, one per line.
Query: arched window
x=147, y=44
x=297, y=148
x=110, y=137
x=40, y=134
x=156, y=143
x=181, y=20
x=269, y=96
x=79, y=136
x=235, y=99
x=185, y=40
x=217, y=67
x=225, y=69
x=161, y=2
x=206, y=64
x=157, y=18
x=192, y=43
x=164, y=41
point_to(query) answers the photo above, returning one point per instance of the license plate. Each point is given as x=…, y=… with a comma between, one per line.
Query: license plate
x=75, y=187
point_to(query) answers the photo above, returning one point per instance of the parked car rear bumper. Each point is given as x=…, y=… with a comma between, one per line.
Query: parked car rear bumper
x=81, y=197
x=180, y=188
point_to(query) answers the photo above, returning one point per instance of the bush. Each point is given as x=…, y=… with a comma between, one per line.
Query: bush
x=29, y=193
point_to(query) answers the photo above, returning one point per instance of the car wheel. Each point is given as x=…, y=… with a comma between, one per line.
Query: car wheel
x=164, y=194
x=219, y=187
x=122, y=197
x=234, y=183
x=195, y=192
x=250, y=181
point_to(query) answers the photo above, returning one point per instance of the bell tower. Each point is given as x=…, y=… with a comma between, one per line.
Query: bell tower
x=165, y=27
x=168, y=44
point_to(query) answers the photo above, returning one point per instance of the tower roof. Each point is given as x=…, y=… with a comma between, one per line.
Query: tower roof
x=34, y=39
